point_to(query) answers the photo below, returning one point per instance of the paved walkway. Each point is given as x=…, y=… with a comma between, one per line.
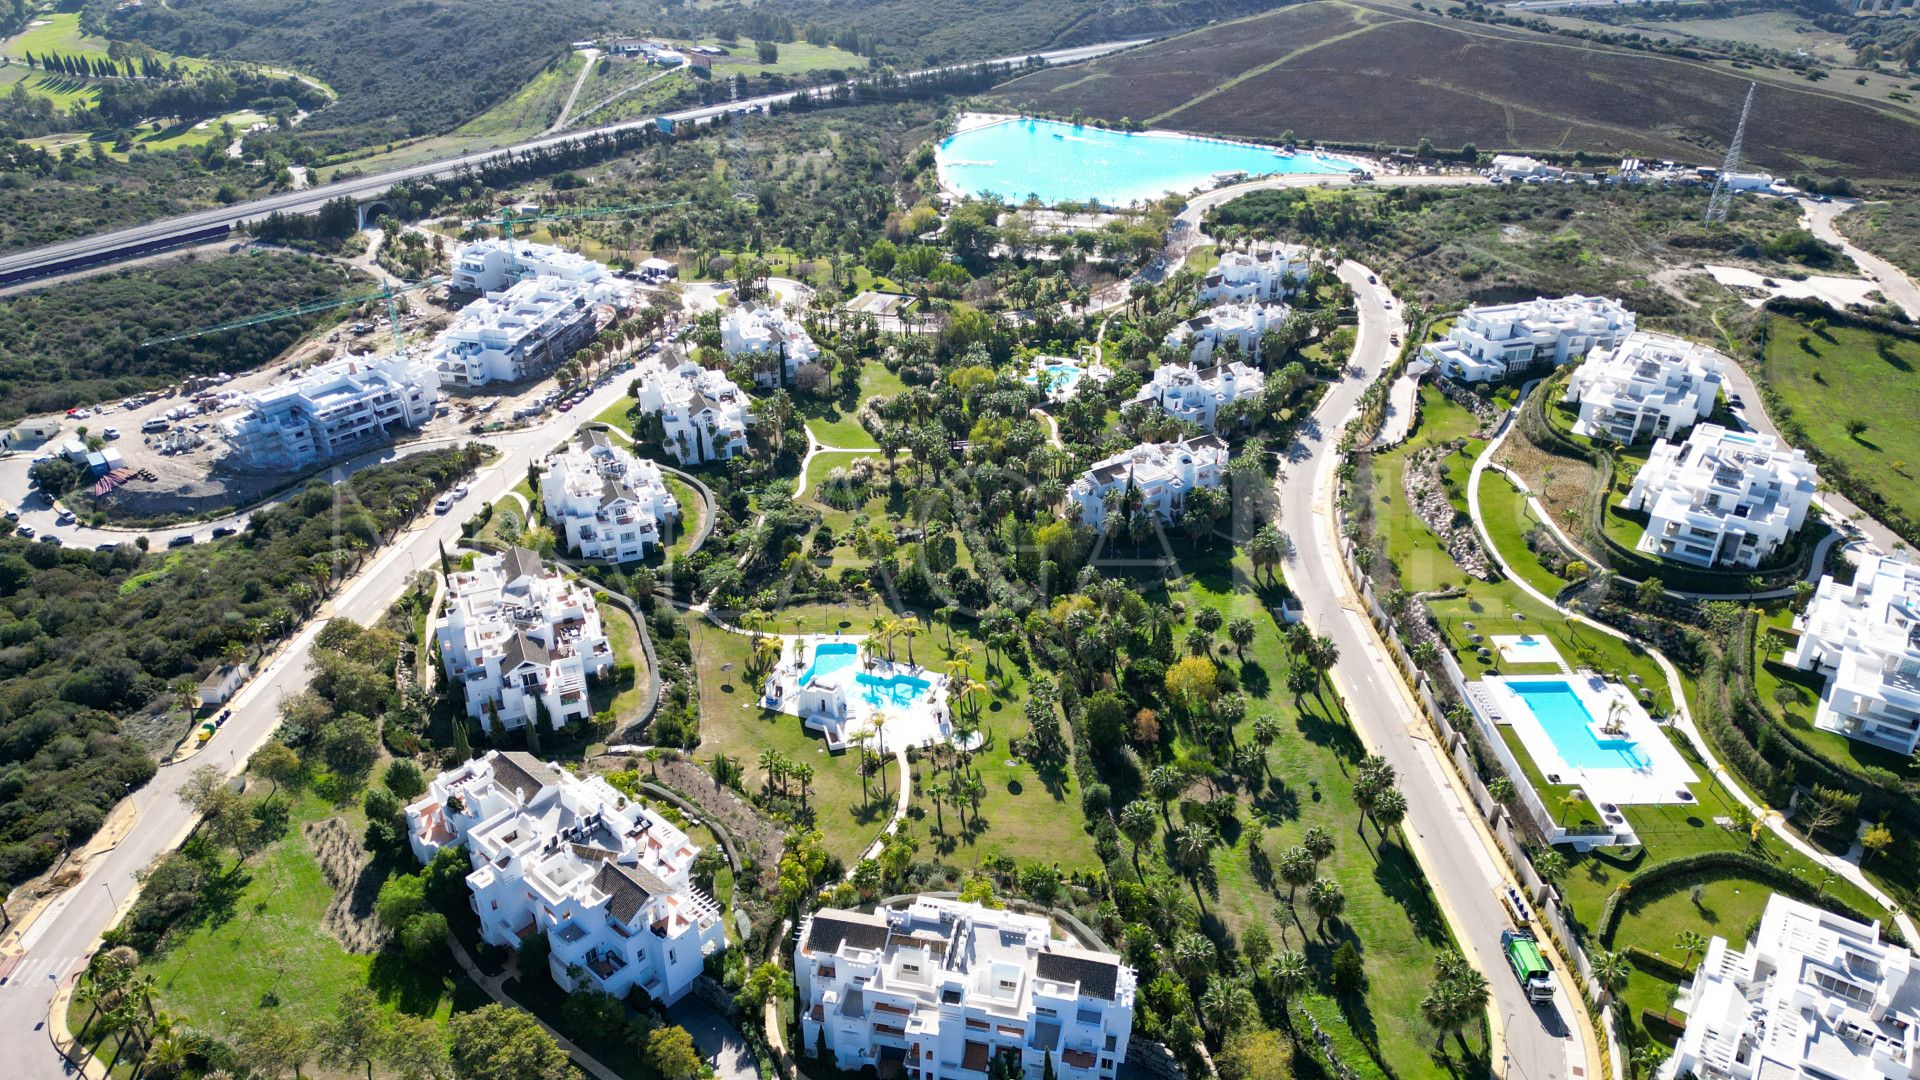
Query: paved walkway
x=1403, y=401
x=718, y=1041
x=1682, y=718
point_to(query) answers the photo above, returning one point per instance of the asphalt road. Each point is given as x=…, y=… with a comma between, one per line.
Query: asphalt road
x=57, y=943
x=309, y=199
x=1541, y=1043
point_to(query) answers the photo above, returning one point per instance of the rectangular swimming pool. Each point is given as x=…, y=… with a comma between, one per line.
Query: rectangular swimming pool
x=830, y=657
x=1567, y=724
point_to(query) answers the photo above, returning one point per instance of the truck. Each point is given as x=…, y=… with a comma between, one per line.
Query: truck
x=1523, y=955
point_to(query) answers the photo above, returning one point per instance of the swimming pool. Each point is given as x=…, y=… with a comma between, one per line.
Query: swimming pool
x=830, y=657
x=1064, y=377
x=1565, y=721
x=891, y=691
x=1060, y=162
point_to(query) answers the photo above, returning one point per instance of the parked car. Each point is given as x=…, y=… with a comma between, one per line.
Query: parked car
x=183, y=540
x=110, y=433
x=26, y=531
x=223, y=530
x=443, y=504
x=460, y=491
x=66, y=516
x=50, y=539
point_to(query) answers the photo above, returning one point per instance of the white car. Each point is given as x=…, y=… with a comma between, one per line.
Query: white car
x=65, y=516
x=110, y=433
x=26, y=531
x=443, y=504
x=460, y=491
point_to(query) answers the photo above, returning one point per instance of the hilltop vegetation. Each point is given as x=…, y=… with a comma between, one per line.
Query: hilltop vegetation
x=94, y=644
x=1366, y=73
x=79, y=342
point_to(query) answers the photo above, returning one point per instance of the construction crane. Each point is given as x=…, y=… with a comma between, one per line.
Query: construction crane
x=387, y=293
x=1722, y=198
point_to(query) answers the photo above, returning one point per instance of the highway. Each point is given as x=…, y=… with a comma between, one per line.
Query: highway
x=1535, y=1043
x=310, y=199
x=58, y=941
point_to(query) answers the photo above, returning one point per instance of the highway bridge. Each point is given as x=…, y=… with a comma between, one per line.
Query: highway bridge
x=204, y=225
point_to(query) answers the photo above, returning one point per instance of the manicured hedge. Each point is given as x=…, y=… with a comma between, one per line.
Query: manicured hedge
x=1647, y=883
x=1657, y=966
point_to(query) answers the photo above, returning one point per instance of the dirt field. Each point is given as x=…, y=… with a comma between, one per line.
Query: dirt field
x=1354, y=72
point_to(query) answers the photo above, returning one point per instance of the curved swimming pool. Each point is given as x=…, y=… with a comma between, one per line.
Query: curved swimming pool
x=1061, y=163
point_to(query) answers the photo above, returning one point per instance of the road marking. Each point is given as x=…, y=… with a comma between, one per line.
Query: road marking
x=35, y=970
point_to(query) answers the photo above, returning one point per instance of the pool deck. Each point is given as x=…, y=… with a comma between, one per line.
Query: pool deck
x=1664, y=779
x=923, y=723
x=1056, y=394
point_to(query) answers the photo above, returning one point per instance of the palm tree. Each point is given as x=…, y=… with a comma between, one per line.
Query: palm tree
x=1691, y=943
x=803, y=772
x=1327, y=900
x=1166, y=784
x=1502, y=790
x=1138, y=826
x=1266, y=732
x=1225, y=1007
x=774, y=764
x=1289, y=974
x=1319, y=841
x=1610, y=970
x=910, y=628
x=1297, y=867
x=1389, y=810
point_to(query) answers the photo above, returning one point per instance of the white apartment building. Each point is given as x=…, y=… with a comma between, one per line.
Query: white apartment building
x=1865, y=638
x=1650, y=386
x=1195, y=394
x=702, y=412
x=773, y=340
x=519, y=634
x=1519, y=166
x=607, y=503
x=508, y=336
x=937, y=989
x=488, y=266
x=1495, y=341
x=1814, y=996
x=331, y=410
x=1158, y=475
x=606, y=879
x=1241, y=324
x=1722, y=498
x=1243, y=277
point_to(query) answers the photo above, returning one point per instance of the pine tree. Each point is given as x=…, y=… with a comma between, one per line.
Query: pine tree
x=461, y=744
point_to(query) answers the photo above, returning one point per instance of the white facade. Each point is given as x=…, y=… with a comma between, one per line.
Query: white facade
x=703, y=412
x=607, y=880
x=488, y=266
x=1252, y=277
x=1510, y=166
x=1814, y=996
x=518, y=632
x=1650, y=386
x=1495, y=341
x=331, y=410
x=769, y=336
x=508, y=336
x=607, y=503
x=1195, y=394
x=1722, y=498
x=1241, y=324
x=1865, y=638
x=1158, y=474
x=938, y=988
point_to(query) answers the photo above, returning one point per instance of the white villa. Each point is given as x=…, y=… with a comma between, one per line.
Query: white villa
x=1513, y=166
x=518, y=634
x=1241, y=324
x=767, y=334
x=508, y=336
x=488, y=266
x=1814, y=996
x=937, y=989
x=1722, y=498
x=607, y=880
x=1865, y=638
x=703, y=412
x=1492, y=342
x=1159, y=475
x=1252, y=277
x=1195, y=394
x=609, y=504
x=1650, y=386
x=331, y=410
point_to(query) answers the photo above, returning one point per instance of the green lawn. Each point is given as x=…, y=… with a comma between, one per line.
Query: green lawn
x=733, y=723
x=834, y=421
x=1508, y=518
x=876, y=501
x=1423, y=564
x=1501, y=608
x=625, y=696
x=63, y=90
x=269, y=941
x=692, y=510
x=55, y=32
x=1839, y=376
x=796, y=58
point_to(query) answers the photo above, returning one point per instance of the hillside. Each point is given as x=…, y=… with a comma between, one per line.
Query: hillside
x=1360, y=72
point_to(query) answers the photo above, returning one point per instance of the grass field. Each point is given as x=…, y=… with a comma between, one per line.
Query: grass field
x=1356, y=71
x=796, y=58
x=63, y=90
x=1844, y=375
x=835, y=421
x=55, y=32
x=1508, y=518
x=1890, y=228
x=531, y=108
x=1423, y=564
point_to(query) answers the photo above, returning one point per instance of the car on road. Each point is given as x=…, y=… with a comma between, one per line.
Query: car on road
x=223, y=530
x=105, y=547
x=183, y=540
x=26, y=531
x=460, y=491
x=443, y=504
x=110, y=433
x=1394, y=338
x=66, y=516
x=49, y=538
x=1372, y=279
